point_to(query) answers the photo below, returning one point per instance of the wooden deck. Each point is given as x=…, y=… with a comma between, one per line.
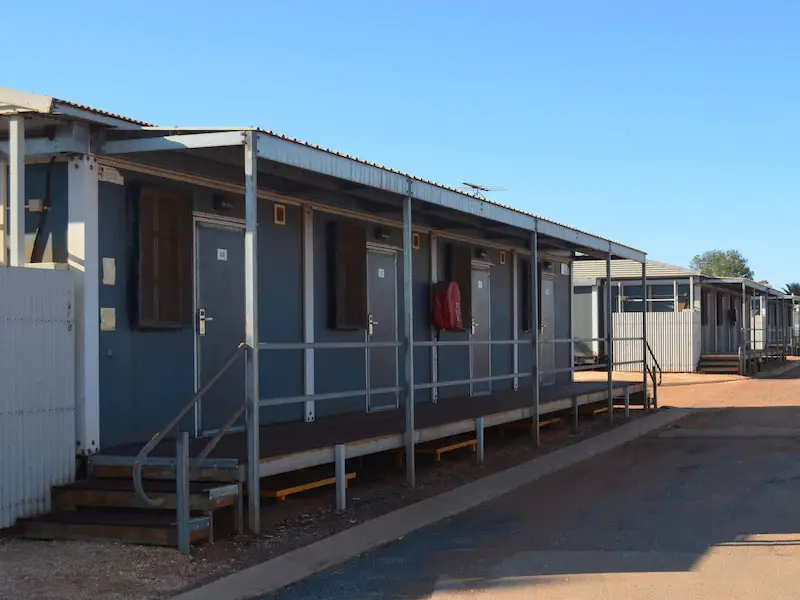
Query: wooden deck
x=297, y=445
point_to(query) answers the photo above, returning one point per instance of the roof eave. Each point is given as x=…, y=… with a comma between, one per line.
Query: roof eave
x=319, y=160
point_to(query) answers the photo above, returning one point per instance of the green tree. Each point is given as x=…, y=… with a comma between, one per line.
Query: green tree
x=722, y=263
x=792, y=288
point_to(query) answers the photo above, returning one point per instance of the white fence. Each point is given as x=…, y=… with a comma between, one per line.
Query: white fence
x=37, y=389
x=674, y=338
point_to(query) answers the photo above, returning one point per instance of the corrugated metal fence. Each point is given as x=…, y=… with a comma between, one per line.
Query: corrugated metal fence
x=674, y=338
x=37, y=390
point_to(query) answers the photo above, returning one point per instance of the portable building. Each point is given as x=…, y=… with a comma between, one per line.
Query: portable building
x=694, y=321
x=274, y=298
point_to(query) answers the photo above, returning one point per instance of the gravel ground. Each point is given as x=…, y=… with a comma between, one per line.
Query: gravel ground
x=99, y=570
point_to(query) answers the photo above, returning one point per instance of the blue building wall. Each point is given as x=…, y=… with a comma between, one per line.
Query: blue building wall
x=146, y=376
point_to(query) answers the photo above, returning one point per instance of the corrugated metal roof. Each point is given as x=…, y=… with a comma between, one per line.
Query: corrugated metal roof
x=433, y=183
x=630, y=269
x=99, y=112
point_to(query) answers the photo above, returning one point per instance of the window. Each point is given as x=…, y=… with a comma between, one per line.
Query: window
x=732, y=310
x=347, y=275
x=632, y=298
x=720, y=303
x=526, y=290
x=164, y=291
x=661, y=297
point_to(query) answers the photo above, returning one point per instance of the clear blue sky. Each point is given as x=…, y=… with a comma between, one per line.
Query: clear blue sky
x=670, y=126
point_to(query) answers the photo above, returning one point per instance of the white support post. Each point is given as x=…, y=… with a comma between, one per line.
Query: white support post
x=3, y=200
x=515, y=312
x=644, y=345
x=251, y=330
x=534, y=308
x=308, y=310
x=17, y=190
x=434, y=350
x=340, y=456
x=83, y=249
x=480, y=440
x=408, y=322
x=610, y=340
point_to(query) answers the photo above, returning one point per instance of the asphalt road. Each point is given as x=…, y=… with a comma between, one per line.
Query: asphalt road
x=692, y=517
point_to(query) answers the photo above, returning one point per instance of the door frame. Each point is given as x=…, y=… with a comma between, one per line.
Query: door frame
x=201, y=219
x=386, y=250
x=482, y=266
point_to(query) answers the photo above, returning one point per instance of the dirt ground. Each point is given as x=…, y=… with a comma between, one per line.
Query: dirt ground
x=703, y=509
x=72, y=570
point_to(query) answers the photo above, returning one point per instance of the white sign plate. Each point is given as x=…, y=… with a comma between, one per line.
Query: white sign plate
x=222, y=254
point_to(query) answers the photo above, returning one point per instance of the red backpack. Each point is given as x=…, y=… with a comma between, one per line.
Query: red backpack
x=447, y=306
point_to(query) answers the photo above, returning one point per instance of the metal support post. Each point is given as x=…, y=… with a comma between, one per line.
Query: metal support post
x=3, y=200
x=575, y=415
x=408, y=322
x=515, y=314
x=628, y=400
x=434, y=240
x=743, y=344
x=572, y=319
x=16, y=230
x=251, y=330
x=480, y=439
x=339, y=451
x=610, y=341
x=308, y=311
x=644, y=345
x=534, y=282
x=182, y=487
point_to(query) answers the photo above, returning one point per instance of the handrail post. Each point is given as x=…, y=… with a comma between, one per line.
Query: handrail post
x=182, y=488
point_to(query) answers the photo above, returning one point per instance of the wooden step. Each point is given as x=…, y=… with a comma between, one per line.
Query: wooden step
x=120, y=493
x=719, y=369
x=436, y=448
x=135, y=526
x=281, y=486
x=164, y=473
x=527, y=424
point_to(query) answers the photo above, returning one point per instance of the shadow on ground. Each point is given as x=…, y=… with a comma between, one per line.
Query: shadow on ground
x=656, y=505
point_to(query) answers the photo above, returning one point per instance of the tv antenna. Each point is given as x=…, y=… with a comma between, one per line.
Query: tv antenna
x=479, y=190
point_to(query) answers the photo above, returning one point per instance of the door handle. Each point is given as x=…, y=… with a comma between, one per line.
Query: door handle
x=473, y=325
x=202, y=319
x=372, y=323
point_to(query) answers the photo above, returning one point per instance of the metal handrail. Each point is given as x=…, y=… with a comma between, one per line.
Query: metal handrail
x=156, y=439
x=655, y=364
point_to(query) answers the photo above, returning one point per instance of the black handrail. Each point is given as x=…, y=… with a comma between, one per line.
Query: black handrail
x=652, y=372
x=655, y=362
